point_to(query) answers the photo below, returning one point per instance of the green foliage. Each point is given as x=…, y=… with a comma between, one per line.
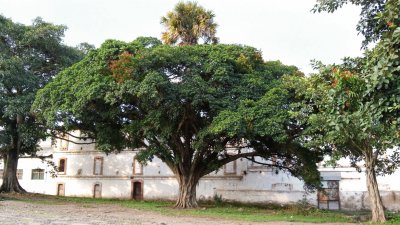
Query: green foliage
x=183, y=104
x=187, y=24
x=29, y=57
x=393, y=218
x=361, y=105
x=353, y=125
x=277, y=126
x=382, y=66
x=218, y=200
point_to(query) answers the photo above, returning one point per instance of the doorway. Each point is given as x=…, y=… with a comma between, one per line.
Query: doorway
x=60, y=190
x=329, y=195
x=137, y=190
x=97, y=191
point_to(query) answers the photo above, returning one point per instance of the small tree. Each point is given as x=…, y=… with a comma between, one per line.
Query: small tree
x=167, y=99
x=187, y=24
x=29, y=57
x=355, y=128
x=362, y=103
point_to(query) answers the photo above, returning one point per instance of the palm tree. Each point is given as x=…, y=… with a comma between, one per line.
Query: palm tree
x=188, y=23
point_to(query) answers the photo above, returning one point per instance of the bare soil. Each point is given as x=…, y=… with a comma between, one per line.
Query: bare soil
x=16, y=212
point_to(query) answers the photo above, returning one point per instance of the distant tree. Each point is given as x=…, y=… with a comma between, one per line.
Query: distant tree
x=189, y=23
x=85, y=47
x=30, y=56
x=177, y=103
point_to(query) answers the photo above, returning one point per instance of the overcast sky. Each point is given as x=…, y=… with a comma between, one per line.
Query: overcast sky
x=284, y=30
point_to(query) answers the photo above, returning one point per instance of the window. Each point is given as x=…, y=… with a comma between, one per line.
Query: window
x=20, y=174
x=98, y=166
x=62, y=166
x=230, y=168
x=137, y=167
x=38, y=174
x=328, y=197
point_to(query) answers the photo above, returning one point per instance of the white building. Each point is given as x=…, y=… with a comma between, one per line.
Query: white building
x=85, y=172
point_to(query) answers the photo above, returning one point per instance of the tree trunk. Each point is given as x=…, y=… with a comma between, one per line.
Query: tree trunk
x=187, y=191
x=377, y=210
x=10, y=181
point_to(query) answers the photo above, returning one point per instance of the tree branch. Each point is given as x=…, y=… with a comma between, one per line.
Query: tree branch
x=270, y=165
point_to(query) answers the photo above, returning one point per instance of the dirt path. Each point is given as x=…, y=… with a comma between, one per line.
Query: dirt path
x=14, y=212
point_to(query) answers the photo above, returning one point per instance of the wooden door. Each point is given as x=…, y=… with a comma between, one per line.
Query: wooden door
x=137, y=190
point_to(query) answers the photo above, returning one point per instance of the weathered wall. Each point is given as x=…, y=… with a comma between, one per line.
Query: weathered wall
x=240, y=181
x=353, y=188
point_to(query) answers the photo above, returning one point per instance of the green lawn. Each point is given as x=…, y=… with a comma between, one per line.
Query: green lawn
x=224, y=210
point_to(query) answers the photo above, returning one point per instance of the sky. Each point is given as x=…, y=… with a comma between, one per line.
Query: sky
x=284, y=30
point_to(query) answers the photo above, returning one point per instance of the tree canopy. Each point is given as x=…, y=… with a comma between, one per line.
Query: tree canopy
x=29, y=57
x=178, y=103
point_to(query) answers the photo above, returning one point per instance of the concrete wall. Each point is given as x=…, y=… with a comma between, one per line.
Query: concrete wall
x=354, y=194
x=240, y=181
x=36, y=186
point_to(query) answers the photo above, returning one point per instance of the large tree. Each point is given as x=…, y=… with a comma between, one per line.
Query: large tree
x=167, y=100
x=29, y=57
x=189, y=23
x=362, y=102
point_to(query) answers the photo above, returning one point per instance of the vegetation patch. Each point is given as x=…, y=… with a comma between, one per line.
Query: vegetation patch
x=223, y=210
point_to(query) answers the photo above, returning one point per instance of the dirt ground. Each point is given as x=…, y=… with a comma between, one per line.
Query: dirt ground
x=14, y=212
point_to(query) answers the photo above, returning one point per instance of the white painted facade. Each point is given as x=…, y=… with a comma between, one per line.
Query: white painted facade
x=90, y=173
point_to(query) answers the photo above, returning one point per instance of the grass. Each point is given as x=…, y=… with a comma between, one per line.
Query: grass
x=393, y=218
x=234, y=211
x=222, y=210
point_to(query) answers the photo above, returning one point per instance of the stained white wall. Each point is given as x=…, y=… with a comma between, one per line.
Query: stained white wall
x=249, y=183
